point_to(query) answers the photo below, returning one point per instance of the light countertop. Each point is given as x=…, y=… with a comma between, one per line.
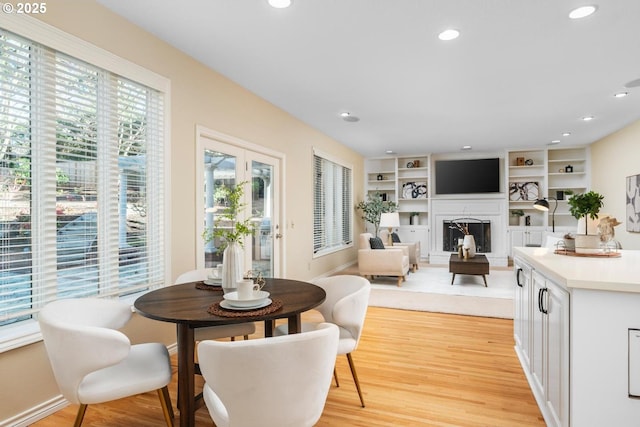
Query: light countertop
x=620, y=274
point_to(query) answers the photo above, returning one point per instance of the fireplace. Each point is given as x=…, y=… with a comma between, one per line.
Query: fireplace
x=479, y=229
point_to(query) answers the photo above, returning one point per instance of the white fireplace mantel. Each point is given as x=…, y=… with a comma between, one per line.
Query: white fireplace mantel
x=482, y=209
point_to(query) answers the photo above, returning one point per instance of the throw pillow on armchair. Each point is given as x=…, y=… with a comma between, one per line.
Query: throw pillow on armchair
x=376, y=243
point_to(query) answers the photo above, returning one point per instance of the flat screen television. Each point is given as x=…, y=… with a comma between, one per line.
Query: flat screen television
x=468, y=176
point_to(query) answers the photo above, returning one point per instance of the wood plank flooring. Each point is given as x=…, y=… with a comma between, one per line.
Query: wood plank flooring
x=415, y=368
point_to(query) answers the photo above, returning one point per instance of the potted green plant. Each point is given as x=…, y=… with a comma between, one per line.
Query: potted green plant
x=518, y=214
x=373, y=207
x=586, y=205
x=231, y=230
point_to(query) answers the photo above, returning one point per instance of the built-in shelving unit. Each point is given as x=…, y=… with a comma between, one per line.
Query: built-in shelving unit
x=556, y=171
x=404, y=180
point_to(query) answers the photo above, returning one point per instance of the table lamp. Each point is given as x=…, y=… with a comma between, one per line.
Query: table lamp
x=389, y=220
x=543, y=205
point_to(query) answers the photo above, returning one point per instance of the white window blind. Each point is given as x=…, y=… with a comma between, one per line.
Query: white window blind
x=333, y=206
x=81, y=181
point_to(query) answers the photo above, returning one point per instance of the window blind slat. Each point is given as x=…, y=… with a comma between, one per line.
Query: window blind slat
x=80, y=148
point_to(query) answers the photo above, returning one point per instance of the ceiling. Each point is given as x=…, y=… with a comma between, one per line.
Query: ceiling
x=520, y=75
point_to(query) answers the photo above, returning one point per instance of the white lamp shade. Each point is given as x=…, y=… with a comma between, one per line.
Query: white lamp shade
x=390, y=219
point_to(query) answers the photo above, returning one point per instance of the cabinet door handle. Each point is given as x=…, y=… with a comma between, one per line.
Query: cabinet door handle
x=540, y=300
x=518, y=277
x=542, y=292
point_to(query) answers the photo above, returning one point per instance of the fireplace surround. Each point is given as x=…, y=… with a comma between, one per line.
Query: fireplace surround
x=479, y=229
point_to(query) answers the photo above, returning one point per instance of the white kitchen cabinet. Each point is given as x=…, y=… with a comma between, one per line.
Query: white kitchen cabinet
x=548, y=367
x=525, y=236
x=522, y=310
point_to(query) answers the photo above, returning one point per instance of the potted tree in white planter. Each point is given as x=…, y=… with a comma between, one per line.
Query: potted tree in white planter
x=586, y=206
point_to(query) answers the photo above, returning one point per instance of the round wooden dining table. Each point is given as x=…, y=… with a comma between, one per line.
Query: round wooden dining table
x=187, y=305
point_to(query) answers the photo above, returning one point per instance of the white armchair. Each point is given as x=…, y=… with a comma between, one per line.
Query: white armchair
x=93, y=362
x=279, y=381
x=382, y=262
x=412, y=247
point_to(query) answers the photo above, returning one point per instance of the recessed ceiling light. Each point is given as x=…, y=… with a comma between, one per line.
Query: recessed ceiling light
x=279, y=4
x=389, y=151
x=587, y=118
x=554, y=142
x=621, y=94
x=450, y=34
x=347, y=117
x=582, y=12
x=566, y=134
x=466, y=147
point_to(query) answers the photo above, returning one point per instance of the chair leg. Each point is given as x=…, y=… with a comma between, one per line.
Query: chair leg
x=80, y=416
x=355, y=378
x=246, y=337
x=233, y=338
x=335, y=375
x=165, y=402
x=400, y=278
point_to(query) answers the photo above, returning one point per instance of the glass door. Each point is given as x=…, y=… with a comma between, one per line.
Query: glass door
x=227, y=165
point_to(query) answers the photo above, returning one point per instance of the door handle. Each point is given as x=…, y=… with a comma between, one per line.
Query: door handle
x=278, y=235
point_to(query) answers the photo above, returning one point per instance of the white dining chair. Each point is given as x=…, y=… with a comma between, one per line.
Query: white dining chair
x=215, y=332
x=346, y=306
x=269, y=382
x=93, y=362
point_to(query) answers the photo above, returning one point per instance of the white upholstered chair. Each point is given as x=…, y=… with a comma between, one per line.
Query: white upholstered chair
x=345, y=306
x=93, y=362
x=215, y=332
x=269, y=382
x=382, y=262
x=412, y=247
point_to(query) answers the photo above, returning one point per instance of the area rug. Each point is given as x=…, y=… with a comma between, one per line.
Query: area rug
x=430, y=289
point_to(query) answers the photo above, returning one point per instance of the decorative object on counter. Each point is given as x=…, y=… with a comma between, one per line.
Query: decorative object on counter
x=588, y=254
x=373, y=207
x=416, y=163
x=410, y=165
x=380, y=177
x=607, y=232
x=528, y=162
x=519, y=161
x=586, y=205
x=633, y=203
x=569, y=241
x=389, y=220
x=559, y=195
x=523, y=191
x=527, y=220
x=568, y=169
x=543, y=205
x=231, y=229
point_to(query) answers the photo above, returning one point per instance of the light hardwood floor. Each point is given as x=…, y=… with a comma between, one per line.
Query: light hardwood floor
x=415, y=368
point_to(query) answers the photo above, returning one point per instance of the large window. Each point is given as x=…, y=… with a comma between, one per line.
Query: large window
x=332, y=204
x=81, y=181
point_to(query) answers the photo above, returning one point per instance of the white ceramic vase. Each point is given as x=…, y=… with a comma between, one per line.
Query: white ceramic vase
x=232, y=266
x=469, y=243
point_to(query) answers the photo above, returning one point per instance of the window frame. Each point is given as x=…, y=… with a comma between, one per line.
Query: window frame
x=345, y=244
x=26, y=332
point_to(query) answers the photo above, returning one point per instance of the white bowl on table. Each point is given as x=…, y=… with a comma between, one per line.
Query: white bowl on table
x=259, y=297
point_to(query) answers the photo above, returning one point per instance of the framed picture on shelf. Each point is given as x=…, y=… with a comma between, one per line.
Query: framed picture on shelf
x=523, y=191
x=414, y=190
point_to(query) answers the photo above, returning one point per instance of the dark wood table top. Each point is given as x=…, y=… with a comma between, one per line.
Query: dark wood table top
x=185, y=304
x=477, y=259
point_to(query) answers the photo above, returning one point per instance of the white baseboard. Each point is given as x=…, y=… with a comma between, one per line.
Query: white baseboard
x=30, y=416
